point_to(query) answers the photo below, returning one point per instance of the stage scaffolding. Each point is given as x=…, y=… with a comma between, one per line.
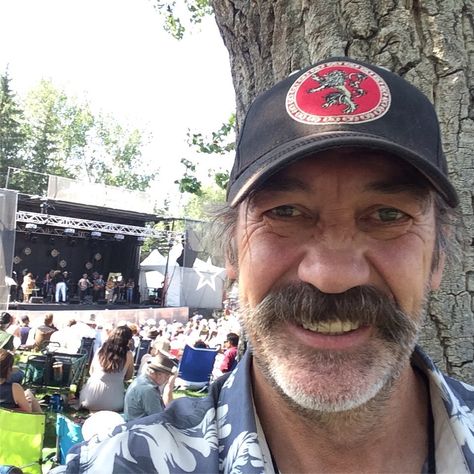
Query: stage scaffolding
x=55, y=225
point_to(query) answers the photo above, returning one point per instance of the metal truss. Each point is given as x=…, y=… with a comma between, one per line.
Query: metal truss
x=55, y=225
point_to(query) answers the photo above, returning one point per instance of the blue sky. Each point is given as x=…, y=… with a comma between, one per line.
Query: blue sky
x=115, y=55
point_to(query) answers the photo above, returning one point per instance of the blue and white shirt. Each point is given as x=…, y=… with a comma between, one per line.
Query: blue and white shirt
x=221, y=433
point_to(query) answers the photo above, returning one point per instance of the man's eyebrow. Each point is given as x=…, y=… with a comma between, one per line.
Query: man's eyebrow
x=283, y=184
x=418, y=190
x=396, y=186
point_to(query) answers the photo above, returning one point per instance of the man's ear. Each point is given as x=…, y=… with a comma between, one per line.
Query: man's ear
x=231, y=261
x=231, y=270
x=437, y=272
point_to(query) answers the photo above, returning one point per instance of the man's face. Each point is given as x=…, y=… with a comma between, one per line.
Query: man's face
x=333, y=225
x=160, y=377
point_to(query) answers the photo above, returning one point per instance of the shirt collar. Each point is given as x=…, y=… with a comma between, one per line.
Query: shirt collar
x=453, y=417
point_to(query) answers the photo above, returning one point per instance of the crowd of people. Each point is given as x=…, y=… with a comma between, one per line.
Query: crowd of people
x=58, y=286
x=114, y=364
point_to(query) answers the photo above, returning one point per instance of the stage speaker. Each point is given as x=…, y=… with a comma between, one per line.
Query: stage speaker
x=74, y=300
x=101, y=301
x=36, y=299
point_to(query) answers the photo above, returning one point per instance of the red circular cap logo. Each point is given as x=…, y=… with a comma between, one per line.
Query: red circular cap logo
x=338, y=92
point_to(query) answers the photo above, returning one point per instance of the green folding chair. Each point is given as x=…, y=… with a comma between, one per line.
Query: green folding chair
x=21, y=440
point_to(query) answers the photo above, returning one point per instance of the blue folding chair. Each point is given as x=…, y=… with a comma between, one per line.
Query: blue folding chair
x=195, y=368
x=68, y=433
x=142, y=349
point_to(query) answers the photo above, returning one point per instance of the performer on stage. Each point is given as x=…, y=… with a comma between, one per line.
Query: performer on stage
x=98, y=289
x=28, y=286
x=83, y=285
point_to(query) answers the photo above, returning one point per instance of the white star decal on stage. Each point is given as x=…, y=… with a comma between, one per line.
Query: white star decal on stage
x=207, y=275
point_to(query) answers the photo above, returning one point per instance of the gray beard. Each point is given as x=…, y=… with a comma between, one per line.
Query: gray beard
x=378, y=366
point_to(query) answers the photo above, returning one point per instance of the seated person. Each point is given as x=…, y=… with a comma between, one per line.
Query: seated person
x=39, y=337
x=6, y=339
x=12, y=395
x=151, y=391
x=160, y=344
x=200, y=344
x=111, y=366
x=230, y=353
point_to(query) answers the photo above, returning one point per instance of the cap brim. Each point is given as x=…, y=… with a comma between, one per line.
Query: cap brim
x=279, y=158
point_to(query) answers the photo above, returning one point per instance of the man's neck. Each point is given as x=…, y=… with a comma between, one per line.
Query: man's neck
x=388, y=435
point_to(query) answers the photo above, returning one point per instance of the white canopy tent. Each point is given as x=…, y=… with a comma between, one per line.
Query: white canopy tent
x=198, y=287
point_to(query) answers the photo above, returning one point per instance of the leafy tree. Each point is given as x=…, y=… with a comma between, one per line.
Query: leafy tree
x=219, y=143
x=12, y=133
x=200, y=207
x=44, y=110
x=63, y=137
x=78, y=123
x=175, y=19
x=119, y=161
x=189, y=183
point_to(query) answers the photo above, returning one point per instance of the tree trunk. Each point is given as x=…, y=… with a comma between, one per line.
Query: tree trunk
x=431, y=44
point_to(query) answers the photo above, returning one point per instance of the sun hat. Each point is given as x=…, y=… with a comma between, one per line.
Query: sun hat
x=162, y=361
x=91, y=319
x=338, y=103
x=101, y=423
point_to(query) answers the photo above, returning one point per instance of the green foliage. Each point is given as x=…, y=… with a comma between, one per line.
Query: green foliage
x=12, y=132
x=122, y=165
x=175, y=17
x=222, y=179
x=220, y=143
x=62, y=137
x=45, y=109
x=189, y=183
x=200, y=207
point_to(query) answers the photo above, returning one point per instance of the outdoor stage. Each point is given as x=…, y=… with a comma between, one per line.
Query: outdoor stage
x=105, y=314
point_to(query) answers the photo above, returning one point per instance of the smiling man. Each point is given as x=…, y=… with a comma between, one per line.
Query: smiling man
x=337, y=228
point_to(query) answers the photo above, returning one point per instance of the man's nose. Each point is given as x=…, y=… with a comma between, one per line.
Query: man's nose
x=334, y=268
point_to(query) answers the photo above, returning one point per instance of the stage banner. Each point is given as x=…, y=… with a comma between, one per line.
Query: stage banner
x=8, y=206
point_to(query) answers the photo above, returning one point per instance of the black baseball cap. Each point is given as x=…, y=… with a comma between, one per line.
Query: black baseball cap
x=338, y=103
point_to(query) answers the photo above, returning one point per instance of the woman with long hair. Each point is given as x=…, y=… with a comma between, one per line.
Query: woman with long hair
x=111, y=366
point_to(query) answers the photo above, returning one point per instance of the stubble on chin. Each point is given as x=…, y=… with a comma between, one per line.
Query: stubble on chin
x=322, y=386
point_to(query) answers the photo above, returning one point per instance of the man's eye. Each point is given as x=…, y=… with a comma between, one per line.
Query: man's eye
x=284, y=211
x=389, y=214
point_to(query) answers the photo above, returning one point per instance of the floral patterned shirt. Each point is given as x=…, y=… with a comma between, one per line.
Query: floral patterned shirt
x=221, y=433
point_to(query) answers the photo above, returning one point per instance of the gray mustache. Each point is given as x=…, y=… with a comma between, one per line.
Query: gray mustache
x=302, y=303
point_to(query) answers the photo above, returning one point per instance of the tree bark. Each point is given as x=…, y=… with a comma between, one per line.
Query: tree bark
x=431, y=44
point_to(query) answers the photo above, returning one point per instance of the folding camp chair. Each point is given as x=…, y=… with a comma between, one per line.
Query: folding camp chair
x=68, y=434
x=87, y=347
x=142, y=349
x=21, y=440
x=195, y=368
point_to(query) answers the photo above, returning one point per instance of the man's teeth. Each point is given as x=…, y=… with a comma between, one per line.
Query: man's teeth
x=332, y=327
